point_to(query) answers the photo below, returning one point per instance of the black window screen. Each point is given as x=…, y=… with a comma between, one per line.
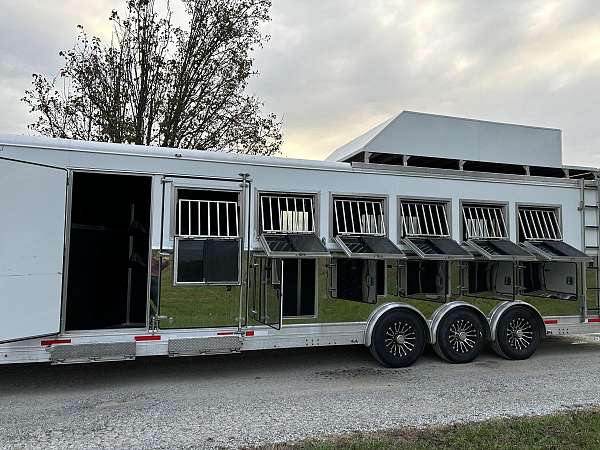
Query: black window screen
x=293, y=244
x=363, y=246
x=207, y=261
x=437, y=248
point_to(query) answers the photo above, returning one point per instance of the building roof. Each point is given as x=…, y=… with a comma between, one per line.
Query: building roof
x=419, y=134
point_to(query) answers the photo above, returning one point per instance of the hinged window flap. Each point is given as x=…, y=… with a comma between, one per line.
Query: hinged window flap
x=500, y=249
x=436, y=248
x=376, y=247
x=551, y=250
x=539, y=224
x=424, y=219
x=292, y=245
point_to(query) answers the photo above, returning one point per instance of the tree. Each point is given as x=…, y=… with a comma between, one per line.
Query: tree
x=158, y=84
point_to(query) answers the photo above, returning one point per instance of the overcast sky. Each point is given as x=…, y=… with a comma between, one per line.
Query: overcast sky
x=335, y=68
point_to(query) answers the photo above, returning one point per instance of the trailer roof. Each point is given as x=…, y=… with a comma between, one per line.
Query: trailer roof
x=154, y=151
x=430, y=135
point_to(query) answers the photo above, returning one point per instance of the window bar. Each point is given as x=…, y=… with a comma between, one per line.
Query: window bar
x=271, y=212
x=539, y=224
x=189, y=208
x=524, y=224
x=544, y=222
x=180, y=203
x=447, y=229
x=237, y=229
x=504, y=228
x=200, y=220
x=535, y=233
x=311, y=208
x=492, y=229
x=381, y=218
x=555, y=226
x=351, y=216
x=375, y=221
x=425, y=218
x=344, y=217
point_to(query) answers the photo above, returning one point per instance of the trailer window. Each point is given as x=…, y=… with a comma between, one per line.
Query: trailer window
x=359, y=228
x=287, y=214
x=484, y=222
x=539, y=224
x=287, y=226
x=426, y=230
x=358, y=216
x=207, y=238
x=424, y=219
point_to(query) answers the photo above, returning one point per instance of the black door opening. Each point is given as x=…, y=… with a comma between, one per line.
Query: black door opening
x=108, y=251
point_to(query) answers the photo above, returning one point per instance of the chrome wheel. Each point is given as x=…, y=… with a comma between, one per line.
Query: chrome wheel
x=519, y=333
x=400, y=338
x=462, y=336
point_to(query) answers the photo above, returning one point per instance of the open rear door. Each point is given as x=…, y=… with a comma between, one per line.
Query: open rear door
x=32, y=230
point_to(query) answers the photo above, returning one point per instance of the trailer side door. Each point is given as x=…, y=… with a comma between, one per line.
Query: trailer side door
x=32, y=230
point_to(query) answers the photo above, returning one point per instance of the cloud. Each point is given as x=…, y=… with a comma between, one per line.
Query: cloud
x=335, y=68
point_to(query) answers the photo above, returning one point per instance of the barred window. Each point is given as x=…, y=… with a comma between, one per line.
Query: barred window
x=424, y=219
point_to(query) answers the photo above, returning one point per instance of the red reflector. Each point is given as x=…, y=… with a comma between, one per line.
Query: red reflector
x=151, y=337
x=224, y=333
x=551, y=321
x=250, y=333
x=594, y=319
x=47, y=342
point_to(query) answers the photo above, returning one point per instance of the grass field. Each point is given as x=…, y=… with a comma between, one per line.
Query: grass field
x=569, y=430
x=214, y=306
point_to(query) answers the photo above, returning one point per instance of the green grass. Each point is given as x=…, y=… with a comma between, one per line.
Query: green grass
x=215, y=306
x=569, y=430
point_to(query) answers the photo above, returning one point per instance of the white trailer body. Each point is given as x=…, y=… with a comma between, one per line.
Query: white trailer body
x=36, y=235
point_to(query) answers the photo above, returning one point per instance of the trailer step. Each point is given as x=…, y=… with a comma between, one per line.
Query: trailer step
x=202, y=346
x=112, y=351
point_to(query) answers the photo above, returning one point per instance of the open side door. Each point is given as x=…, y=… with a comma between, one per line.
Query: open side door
x=32, y=233
x=266, y=288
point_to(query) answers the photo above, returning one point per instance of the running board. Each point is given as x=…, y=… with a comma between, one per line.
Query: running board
x=82, y=353
x=203, y=346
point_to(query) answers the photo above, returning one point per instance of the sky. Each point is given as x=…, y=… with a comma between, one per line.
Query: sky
x=335, y=68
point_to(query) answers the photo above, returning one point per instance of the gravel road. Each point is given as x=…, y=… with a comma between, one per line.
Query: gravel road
x=260, y=397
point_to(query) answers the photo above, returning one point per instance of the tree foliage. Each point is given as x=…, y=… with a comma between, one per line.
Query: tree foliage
x=158, y=84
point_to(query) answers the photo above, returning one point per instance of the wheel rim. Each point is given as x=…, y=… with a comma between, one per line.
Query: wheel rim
x=462, y=336
x=400, y=338
x=519, y=333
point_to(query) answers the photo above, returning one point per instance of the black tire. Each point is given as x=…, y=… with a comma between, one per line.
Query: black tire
x=398, y=338
x=460, y=336
x=518, y=333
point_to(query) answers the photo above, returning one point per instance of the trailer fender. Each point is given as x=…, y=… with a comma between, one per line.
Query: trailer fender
x=503, y=307
x=439, y=314
x=383, y=309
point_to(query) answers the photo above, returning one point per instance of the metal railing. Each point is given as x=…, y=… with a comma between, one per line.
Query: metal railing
x=484, y=222
x=539, y=223
x=287, y=214
x=207, y=218
x=354, y=216
x=424, y=219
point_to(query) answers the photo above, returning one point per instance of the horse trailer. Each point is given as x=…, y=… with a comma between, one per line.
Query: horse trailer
x=428, y=229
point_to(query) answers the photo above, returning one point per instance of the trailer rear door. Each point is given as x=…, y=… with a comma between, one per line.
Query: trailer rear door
x=32, y=230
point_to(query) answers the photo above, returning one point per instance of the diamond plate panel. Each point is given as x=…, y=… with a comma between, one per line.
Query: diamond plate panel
x=200, y=346
x=112, y=351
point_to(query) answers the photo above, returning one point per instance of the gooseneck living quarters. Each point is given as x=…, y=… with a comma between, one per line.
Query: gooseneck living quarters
x=425, y=230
